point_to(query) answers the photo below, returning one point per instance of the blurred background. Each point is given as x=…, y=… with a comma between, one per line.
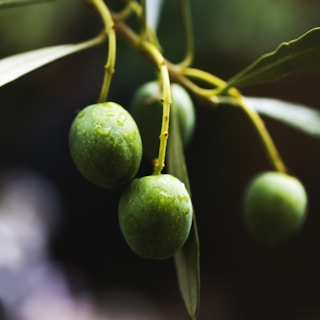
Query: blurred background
x=62, y=252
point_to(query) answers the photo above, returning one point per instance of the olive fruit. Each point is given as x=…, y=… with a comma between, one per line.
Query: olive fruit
x=274, y=207
x=105, y=144
x=146, y=108
x=155, y=215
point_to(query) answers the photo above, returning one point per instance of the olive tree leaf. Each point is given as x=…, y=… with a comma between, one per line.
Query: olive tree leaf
x=188, y=272
x=15, y=66
x=297, y=55
x=298, y=116
x=154, y=8
x=12, y=3
x=187, y=259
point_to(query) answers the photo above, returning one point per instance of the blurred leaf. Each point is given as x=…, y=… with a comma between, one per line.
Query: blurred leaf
x=154, y=8
x=13, y=67
x=187, y=259
x=12, y=3
x=295, y=115
x=297, y=55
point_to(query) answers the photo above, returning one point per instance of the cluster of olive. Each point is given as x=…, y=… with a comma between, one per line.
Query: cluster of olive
x=106, y=145
x=155, y=211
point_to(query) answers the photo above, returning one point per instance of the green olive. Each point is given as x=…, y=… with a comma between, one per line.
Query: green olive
x=146, y=108
x=274, y=207
x=155, y=215
x=105, y=144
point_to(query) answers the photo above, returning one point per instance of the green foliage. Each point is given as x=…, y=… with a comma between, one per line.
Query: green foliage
x=155, y=215
x=16, y=66
x=105, y=144
x=187, y=259
x=295, y=115
x=294, y=56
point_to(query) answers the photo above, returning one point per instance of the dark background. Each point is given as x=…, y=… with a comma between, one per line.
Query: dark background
x=240, y=279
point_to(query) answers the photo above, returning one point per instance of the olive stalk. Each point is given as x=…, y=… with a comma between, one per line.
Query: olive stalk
x=164, y=78
x=143, y=20
x=235, y=97
x=109, y=29
x=182, y=75
x=131, y=7
x=151, y=49
x=269, y=146
x=185, y=11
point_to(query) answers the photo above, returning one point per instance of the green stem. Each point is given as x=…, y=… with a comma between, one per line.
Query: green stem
x=131, y=7
x=210, y=79
x=161, y=64
x=149, y=47
x=143, y=21
x=182, y=76
x=233, y=94
x=146, y=32
x=166, y=101
x=269, y=146
x=188, y=31
x=109, y=28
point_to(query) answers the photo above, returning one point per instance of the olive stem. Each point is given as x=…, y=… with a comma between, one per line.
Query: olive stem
x=211, y=95
x=147, y=33
x=151, y=49
x=166, y=102
x=185, y=10
x=131, y=7
x=143, y=20
x=269, y=146
x=234, y=94
x=109, y=29
x=210, y=79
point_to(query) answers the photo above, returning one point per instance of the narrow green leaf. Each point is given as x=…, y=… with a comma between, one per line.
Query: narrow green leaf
x=188, y=272
x=14, y=67
x=13, y=3
x=298, y=55
x=298, y=116
x=187, y=259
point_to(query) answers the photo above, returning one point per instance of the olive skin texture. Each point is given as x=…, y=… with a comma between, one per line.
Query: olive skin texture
x=146, y=108
x=275, y=207
x=155, y=215
x=105, y=145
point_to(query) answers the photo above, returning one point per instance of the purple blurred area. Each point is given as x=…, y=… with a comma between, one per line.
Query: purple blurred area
x=32, y=285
